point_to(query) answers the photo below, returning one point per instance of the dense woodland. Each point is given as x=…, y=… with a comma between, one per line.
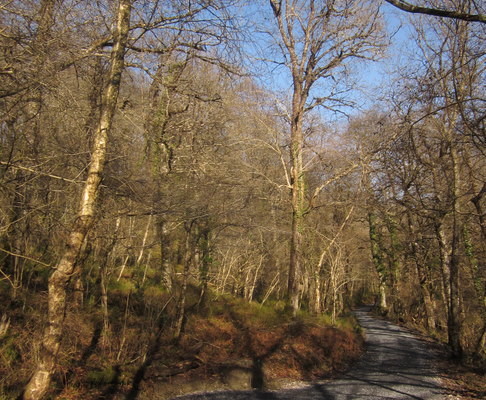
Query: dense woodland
x=156, y=155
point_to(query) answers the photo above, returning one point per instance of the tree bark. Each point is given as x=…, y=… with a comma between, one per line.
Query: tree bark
x=164, y=245
x=416, y=254
x=205, y=264
x=443, y=255
x=188, y=250
x=60, y=278
x=297, y=193
x=454, y=319
x=378, y=261
x=477, y=266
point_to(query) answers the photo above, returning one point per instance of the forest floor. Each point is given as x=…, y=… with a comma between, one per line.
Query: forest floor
x=232, y=345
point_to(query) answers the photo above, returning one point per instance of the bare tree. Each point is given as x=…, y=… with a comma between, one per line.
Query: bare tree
x=316, y=41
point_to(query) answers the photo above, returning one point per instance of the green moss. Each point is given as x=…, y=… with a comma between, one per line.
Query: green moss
x=253, y=313
x=154, y=294
x=121, y=287
x=104, y=376
x=9, y=351
x=349, y=323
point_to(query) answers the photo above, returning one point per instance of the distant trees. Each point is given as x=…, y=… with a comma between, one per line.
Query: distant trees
x=423, y=187
x=452, y=80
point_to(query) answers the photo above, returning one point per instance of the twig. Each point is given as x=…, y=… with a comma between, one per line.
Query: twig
x=26, y=257
x=38, y=172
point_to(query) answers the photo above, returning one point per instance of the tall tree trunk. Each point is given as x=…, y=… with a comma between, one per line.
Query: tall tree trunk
x=478, y=266
x=316, y=289
x=378, y=261
x=394, y=265
x=444, y=251
x=188, y=255
x=297, y=196
x=164, y=260
x=476, y=200
x=454, y=318
x=105, y=333
x=60, y=278
x=14, y=242
x=417, y=255
x=205, y=264
x=106, y=252
x=144, y=240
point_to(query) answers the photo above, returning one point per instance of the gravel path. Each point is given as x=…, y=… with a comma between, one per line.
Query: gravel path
x=396, y=365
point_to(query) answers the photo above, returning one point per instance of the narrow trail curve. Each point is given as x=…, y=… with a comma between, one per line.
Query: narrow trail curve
x=396, y=365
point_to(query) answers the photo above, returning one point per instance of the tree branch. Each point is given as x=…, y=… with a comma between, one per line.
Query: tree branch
x=22, y=256
x=403, y=5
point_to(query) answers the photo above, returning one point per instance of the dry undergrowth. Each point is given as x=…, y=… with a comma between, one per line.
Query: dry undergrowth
x=242, y=346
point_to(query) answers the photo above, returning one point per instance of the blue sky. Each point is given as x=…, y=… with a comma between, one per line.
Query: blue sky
x=377, y=75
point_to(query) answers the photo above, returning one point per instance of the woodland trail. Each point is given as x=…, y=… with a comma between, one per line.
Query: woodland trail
x=396, y=365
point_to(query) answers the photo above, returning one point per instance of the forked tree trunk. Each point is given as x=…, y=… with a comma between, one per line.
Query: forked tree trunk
x=60, y=278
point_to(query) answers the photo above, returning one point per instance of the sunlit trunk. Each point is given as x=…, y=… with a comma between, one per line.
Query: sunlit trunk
x=378, y=261
x=297, y=197
x=164, y=243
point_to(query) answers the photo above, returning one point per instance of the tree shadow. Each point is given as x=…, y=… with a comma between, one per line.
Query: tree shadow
x=149, y=359
x=257, y=380
x=113, y=388
x=88, y=352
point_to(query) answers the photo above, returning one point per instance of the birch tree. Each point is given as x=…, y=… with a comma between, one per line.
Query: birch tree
x=66, y=267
